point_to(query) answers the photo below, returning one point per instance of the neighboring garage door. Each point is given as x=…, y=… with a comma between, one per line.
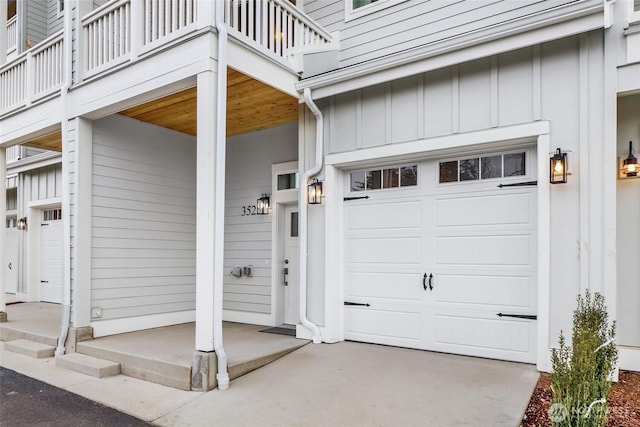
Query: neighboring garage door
x=11, y=259
x=51, y=256
x=438, y=250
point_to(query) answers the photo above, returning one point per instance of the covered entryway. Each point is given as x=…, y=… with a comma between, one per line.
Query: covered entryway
x=439, y=257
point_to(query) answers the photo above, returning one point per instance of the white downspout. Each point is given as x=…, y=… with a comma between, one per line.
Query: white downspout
x=304, y=206
x=221, y=154
x=66, y=215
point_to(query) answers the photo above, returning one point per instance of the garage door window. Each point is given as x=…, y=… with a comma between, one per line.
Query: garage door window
x=52, y=215
x=384, y=178
x=482, y=167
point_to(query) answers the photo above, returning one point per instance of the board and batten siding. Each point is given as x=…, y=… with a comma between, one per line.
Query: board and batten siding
x=143, y=219
x=248, y=238
x=559, y=82
x=414, y=23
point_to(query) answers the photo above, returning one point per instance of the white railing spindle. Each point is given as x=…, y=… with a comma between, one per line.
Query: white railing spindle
x=12, y=34
x=274, y=26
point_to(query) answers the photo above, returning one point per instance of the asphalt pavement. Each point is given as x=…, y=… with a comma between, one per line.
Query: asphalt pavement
x=28, y=402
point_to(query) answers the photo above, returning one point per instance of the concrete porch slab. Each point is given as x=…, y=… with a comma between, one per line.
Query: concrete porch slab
x=165, y=355
x=160, y=355
x=33, y=321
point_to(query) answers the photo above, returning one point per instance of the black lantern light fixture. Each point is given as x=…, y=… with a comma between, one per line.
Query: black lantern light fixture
x=315, y=192
x=22, y=223
x=558, y=167
x=263, y=205
x=630, y=166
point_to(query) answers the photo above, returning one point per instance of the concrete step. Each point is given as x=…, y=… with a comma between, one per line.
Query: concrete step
x=30, y=348
x=9, y=332
x=88, y=365
x=136, y=366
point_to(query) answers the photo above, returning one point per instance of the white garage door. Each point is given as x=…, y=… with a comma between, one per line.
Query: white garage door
x=51, y=256
x=439, y=257
x=11, y=259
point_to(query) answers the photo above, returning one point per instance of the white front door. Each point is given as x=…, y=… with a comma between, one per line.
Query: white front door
x=448, y=262
x=51, y=256
x=291, y=266
x=11, y=259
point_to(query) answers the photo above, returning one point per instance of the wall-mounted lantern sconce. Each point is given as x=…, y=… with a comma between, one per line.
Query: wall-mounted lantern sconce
x=263, y=205
x=315, y=192
x=22, y=223
x=630, y=167
x=558, y=167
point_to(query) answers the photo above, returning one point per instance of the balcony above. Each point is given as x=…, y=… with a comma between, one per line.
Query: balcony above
x=123, y=32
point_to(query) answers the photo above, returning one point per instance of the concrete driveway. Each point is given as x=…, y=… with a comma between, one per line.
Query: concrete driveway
x=353, y=384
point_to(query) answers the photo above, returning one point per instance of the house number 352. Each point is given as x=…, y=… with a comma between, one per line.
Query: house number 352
x=249, y=210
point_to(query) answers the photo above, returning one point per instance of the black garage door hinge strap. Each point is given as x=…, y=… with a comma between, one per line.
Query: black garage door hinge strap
x=364, y=304
x=519, y=316
x=355, y=198
x=518, y=184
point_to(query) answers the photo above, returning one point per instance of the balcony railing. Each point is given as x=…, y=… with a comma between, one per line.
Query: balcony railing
x=276, y=27
x=13, y=154
x=123, y=31
x=33, y=75
x=120, y=30
x=12, y=35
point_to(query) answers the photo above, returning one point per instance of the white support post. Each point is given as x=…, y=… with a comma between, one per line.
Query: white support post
x=137, y=23
x=3, y=32
x=205, y=10
x=3, y=216
x=205, y=210
x=81, y=212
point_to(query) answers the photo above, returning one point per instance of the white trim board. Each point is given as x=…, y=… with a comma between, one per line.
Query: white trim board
x=246, y=317
x=103, y=328
x=629, y=358
x=416, y=61
x=509, y=134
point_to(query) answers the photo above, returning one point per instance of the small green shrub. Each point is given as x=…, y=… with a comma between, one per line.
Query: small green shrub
x=581, y=374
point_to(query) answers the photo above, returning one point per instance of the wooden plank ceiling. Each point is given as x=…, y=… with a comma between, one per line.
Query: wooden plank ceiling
x=251, y=106
x=51, y=141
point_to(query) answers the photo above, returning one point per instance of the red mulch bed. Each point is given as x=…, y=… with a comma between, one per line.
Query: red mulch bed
x=624, y=402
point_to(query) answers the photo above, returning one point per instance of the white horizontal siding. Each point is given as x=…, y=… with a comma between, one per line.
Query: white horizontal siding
x=143, y=219
x=36, y=20
x=414, y=23
x=55, y=21
x=248, y=238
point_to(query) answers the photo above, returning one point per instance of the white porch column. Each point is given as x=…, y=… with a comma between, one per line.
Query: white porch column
x=80, y=209
x=205, y=211
x=3, y=31
x=3, y=216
